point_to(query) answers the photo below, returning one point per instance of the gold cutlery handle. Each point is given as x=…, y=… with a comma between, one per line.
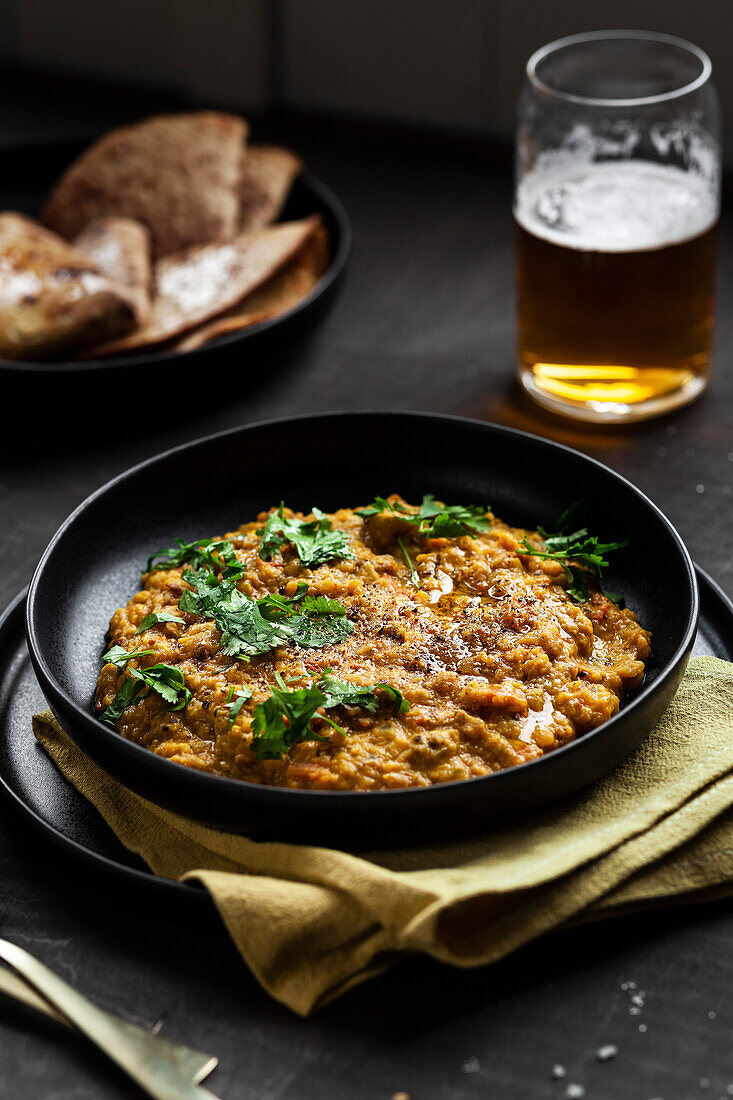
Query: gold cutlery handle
x=136, y=1051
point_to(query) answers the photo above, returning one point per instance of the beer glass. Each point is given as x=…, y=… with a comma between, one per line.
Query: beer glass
x=616, y=203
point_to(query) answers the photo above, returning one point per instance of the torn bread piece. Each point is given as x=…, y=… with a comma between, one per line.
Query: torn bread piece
x=52, y=297
x=180, y=175
x=120, y=247
x=269, y=172
x=280, y=293
x=201, y=283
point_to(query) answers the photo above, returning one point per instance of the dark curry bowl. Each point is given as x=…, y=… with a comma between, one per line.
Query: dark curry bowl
x=31, y=171
x=92, y=566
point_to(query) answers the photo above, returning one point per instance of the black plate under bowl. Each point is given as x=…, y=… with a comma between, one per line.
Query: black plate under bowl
x=92, y=565
x=29, y=171
x=33, y=783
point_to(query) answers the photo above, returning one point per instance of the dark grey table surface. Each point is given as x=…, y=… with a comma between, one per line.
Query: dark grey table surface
x=425, y=321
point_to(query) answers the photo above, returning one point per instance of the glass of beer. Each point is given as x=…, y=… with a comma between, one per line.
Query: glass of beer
x=616, y=203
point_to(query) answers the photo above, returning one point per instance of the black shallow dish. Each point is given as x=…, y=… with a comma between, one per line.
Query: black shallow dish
x=35, y=786
x=27, y=174
x=92, y=566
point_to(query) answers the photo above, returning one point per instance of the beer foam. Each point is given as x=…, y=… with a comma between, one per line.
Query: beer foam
x=615, y=206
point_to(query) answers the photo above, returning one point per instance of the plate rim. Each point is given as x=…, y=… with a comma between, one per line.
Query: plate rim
x=305, y=178
x=144, y=876
x=285, y=795
x=709, y=589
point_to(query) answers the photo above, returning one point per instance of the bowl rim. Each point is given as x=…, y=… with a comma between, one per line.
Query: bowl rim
x=306, y=179
x=152, y=762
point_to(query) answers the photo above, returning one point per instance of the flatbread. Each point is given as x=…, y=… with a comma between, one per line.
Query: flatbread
x=52, y=297
x=280, y=293
x=180, y=175
x=120, y=247
x=200, y=283
x=269, y=172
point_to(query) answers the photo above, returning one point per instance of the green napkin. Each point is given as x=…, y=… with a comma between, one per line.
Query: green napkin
x=312, y=922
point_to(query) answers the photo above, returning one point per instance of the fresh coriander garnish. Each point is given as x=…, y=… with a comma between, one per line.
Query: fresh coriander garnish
x=217, y=555
x=578, y=552
x=285, y=717
x=314, y=541
x=235, y=700
x=251, y=627
x=119, y=656
x=125, y=696
x=413, y=571
x=165, y=680
x=435, y=520
x=156, y=617
x=431, y=521
x=342, y=693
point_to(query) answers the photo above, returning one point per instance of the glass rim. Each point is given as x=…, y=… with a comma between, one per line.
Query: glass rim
x=599, y=36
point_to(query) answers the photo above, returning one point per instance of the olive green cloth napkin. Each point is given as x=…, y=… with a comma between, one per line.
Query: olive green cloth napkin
x=311, y=922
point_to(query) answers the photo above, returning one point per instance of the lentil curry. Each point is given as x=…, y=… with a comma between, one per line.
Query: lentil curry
x=404, y=649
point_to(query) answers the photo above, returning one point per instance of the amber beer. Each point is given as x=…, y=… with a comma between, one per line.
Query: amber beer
x=616, y=271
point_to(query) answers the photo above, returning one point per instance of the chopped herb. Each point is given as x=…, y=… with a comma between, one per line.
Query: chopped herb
x=156, y=617
x=119, y=656
x=251, y=627
x=342, y=693
x=165, y=680
x=285, y=717
x=435, y=520
x=235, y=700
x=413, y=571
x=217, y=555
x=125, y=696
x=314, y=541
x=578, y=552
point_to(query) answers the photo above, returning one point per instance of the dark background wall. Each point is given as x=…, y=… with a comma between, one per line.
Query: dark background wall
x=447, y=64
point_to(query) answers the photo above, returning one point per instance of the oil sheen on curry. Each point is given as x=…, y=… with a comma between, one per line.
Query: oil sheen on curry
x=388, y=646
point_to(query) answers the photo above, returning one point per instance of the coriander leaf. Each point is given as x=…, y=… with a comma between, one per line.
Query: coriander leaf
x=245, y=632
x=311, y=621
x=381, y=504
x=285, y=717
x=399, y=703
x=342, y=693
x=580, y=554
x=215, y=554
x=314, y=541
x=165, y=680
x=127, y=694
x=451, y=520
x=156, y=617
x=235, y=700
x=434, y=520
x=413, y=571
x=118, y=655
x=252, y=627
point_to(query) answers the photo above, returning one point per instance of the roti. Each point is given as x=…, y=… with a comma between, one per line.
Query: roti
x=180, y=175
x=269, y=172
x=201, y=283
x=52, y=296
x=280, y=293
x=120, y=247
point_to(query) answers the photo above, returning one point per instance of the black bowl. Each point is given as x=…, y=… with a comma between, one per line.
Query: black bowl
x=29, y=171
x=92, y=565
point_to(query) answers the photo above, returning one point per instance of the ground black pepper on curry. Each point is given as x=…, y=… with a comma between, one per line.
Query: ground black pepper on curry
x=381, y=647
